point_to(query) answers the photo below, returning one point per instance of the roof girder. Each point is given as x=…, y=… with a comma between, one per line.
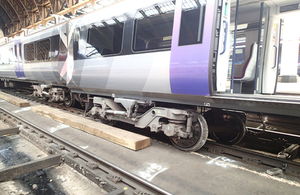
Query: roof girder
x=25, y=14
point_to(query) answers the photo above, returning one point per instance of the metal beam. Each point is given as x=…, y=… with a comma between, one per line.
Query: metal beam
x=6, y=20
x=10, y=131
x=31, y=16
x=26, y=14
x=4, y=15
x=18, y=170
x=37, y=12
x=22, y=13
x=71, y=8
x=10, y=10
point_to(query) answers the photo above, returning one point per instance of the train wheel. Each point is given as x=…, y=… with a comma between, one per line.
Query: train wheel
x=200, y=133
x=107, y=122
x=45, y=98
x=235, y=128
x=69, y=99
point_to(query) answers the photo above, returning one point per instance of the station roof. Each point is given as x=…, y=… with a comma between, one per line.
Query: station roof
x=20, y=16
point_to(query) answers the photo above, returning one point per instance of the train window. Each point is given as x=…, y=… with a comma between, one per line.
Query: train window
x=55, y=48
x=192, y=22
x=105, y=38
x=16, y=53
x=76, y=43
x=11, y=56
x=239, y=50
x=43, y=50
x=63, y=50
x=6, y=56
x=154, y=26
x=20, y=51
x=29, y=52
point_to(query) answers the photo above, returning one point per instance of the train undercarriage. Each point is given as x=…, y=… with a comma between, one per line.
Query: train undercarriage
x=187, y=129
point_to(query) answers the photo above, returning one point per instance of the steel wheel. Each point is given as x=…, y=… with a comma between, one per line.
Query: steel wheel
x=69, y=99
x=107, y=122
x=45, y=98
x=234, y=132
x=200, y=132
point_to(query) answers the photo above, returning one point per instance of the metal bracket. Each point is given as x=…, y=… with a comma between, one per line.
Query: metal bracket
x=290, y=152
x=127, y=103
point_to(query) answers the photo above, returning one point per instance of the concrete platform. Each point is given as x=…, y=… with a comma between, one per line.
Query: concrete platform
x=14, y=100
x=176, y=171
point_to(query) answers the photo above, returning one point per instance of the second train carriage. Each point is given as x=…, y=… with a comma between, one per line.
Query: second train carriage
x=166, y=64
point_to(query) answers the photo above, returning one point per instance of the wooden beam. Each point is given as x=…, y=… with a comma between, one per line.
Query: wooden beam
x=18, y=170
x=14, y=100
x=124, y=138
x=10, y=131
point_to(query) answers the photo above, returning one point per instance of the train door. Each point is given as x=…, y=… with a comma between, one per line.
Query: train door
x=191, y=46
x=288, y=82
x=18, y=60
x=248, y=29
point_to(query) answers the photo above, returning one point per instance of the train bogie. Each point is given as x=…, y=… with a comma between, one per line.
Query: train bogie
x=187, y=129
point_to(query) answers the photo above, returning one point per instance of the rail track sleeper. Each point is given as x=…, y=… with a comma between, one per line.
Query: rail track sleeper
x=95, y=176
x=21, y=169
x=61, y=147
x=117, y=192
x=10, y=131
x=92, y=166
x=49, y=141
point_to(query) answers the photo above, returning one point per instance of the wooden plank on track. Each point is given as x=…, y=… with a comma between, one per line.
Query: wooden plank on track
x=21, y=169
x=14, y=100
x=113, y=134
x=9, y=131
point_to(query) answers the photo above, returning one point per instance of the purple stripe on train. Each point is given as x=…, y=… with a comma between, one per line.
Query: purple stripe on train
x=18, y=62
x=189, y=66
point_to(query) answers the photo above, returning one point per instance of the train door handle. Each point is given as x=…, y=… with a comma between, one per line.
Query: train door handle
x=225, y=39
x=275, y=56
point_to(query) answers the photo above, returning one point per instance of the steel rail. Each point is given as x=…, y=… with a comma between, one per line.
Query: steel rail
x=274, y=132
x=290, y=167
x=140, y=180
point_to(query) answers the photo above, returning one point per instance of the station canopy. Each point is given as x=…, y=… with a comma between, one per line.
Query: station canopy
x=22, y=17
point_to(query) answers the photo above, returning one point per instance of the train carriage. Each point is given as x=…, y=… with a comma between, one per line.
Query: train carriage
x=184, y=67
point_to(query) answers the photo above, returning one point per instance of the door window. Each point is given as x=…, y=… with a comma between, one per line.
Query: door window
x=192, y=22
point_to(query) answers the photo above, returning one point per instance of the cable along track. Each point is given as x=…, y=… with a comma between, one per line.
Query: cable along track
x=108, y=176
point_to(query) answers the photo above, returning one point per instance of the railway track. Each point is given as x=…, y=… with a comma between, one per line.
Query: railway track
x=275, y=165
x=108, y=176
